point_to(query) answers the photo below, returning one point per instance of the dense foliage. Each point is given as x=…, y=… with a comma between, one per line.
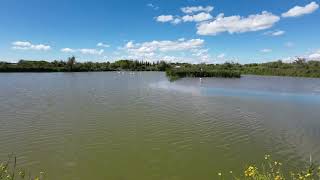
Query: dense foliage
x=298, y=68
x=176, y=73
x=72, y=66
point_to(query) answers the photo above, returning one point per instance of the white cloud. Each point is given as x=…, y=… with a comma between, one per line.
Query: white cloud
x=168, y=18
x=221, y=56
x=193, y=9
x=130, y=45
x=26, y=45
x=176, y=21
x=275, y=33
x=22, y=43
x=67, y=50
x=165, y=46
x=238, y=24
x=202, y=55
x=197, y=18
x=315, y=55
x=266, y=50
x=278, y=33
x=103, y=45
x=165, y=18
x=158, y=50
x=91, y=51
x=301, y=10
x=83, y=51
x=153, y=6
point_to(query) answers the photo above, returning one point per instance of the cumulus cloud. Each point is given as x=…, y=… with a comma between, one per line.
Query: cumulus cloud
x=238, y=24
x=168, y=18
x=266, y=50
x=157, y=50
x=165, y=46
x=91, y=51
x=165, y=18
x=83, y=51
x=176, y=21
x=301, y=10
x=194, y=9
x=197, y=18
x=26, y=45
x=103, y=45
x=315, y=55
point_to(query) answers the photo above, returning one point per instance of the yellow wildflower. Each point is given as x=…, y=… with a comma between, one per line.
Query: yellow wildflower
x=307, y=175
x=251, y=171
x=278, y=178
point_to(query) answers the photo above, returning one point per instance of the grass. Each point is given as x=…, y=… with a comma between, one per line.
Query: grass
x=9, y=171
x=274, y=170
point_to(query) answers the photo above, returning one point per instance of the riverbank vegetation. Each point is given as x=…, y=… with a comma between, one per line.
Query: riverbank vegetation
x=268, y=170
x=274, y=170
x=71, y=65
x=298, y=68
x=198, y=71
x=9, y=171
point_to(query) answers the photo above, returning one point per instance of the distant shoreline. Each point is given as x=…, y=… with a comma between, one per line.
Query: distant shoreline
x=298, y=68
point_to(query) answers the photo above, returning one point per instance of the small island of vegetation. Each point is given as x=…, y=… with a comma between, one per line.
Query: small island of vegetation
x=298, y=68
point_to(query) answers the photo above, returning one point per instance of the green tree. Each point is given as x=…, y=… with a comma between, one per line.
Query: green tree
x=71, y=62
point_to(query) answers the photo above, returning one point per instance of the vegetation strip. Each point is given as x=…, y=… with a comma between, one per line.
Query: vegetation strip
x=298, y=68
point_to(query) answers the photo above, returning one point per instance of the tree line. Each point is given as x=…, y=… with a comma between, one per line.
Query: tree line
x=71, y=65
x=299, y=68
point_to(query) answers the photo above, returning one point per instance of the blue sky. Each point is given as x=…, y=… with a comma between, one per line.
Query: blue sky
x=195, y=31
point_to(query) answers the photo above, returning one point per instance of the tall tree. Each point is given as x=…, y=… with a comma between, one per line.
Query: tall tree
x=71, y=62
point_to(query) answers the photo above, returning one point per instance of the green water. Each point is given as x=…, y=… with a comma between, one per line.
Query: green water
x=139, y=126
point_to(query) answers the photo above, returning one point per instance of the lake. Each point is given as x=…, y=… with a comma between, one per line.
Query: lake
x=140, y=126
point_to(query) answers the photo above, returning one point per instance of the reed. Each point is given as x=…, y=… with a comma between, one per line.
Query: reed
x=174, y=74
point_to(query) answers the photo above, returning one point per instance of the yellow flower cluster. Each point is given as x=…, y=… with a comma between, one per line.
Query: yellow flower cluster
x=251, y=171
x=278, y=177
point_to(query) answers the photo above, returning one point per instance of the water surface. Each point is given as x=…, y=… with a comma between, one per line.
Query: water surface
x=140, y=126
